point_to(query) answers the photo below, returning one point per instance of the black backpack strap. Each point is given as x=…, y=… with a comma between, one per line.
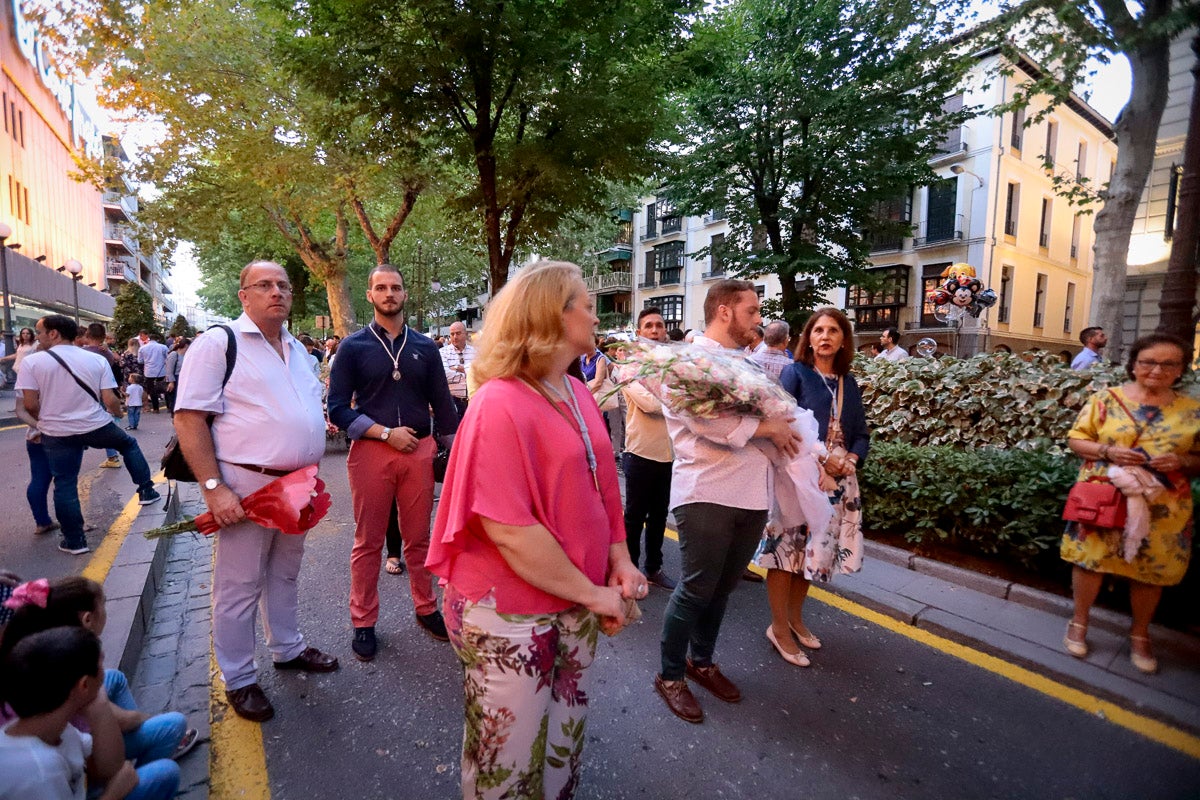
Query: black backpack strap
x=82, y=385
x=230, y=352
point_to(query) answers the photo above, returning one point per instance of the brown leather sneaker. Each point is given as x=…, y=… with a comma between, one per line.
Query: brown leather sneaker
x=679, y=699
x=250, y=703
x=711, y=678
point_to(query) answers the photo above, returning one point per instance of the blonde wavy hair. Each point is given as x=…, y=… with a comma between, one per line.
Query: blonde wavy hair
x=524, y=325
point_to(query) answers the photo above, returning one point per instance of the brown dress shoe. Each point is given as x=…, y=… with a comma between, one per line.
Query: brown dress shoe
x=679, y=699
x=250, y=703
x=310, y=660
x=712, y=679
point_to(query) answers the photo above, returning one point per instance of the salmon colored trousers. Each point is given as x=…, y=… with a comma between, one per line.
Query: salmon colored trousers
x=380, y=476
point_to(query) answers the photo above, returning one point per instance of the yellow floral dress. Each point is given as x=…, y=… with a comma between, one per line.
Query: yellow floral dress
x=1174, y=428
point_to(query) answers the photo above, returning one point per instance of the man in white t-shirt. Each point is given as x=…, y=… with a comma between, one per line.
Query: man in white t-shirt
x=892, y=351
x=72, y=395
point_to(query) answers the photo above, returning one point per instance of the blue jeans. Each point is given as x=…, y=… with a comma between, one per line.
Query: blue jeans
x=155, y=738
x=715, y=545
x=135, y=415
x=65, y=455
x=39, y=483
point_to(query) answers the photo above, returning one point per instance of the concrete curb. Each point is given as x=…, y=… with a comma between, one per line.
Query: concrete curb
x=1100, y=618
x=133, y=582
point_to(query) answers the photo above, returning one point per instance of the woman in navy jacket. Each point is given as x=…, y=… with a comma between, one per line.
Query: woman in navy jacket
x=821, y=382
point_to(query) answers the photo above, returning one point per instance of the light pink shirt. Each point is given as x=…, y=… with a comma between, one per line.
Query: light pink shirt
x=714, y=462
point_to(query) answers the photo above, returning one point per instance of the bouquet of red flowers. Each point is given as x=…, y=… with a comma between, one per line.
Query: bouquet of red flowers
x=294, y=503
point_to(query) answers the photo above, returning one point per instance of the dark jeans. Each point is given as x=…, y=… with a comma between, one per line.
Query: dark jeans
x=39, y=483
x=647, y=494
x=460, y=403
x=65, y=455
x=169, y=398
x=154, y=390
x=715, y=545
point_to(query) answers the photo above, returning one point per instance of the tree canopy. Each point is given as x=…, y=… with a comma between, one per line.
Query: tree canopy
x=544, y=102
x=134, y=312
x=802, y=120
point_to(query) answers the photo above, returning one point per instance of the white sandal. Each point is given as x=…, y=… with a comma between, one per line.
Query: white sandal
x=1077, y=648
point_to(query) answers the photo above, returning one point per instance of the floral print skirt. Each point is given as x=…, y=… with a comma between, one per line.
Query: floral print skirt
x=817, y=556
x=525, y=679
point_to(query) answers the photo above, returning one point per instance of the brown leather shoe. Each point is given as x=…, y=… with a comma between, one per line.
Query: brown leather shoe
x=752, y=576
x=250, y=703
x=712, y=679
x=680, y=699
x=310, y=660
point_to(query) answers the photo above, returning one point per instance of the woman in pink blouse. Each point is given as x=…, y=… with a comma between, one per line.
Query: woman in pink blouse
x=529, y=540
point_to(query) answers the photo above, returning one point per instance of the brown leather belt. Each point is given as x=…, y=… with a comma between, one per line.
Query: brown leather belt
x=274, y=473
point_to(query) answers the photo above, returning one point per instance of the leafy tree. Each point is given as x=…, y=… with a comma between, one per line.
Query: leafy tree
x=542, y=102
x=181, y=327
x=1067, y=34
x=134, y=312
x=244, y=139
x=803, y=120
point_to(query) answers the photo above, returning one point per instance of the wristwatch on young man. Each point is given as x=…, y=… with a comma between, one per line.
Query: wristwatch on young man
x=211, y=484
x=383, y=437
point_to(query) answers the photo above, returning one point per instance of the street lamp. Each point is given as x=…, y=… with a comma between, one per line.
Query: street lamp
x=959, y=169
x=76, y=269
x=5, y=232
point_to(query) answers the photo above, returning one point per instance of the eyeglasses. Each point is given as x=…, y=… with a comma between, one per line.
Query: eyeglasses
x=1151, y=365
x=265, y=286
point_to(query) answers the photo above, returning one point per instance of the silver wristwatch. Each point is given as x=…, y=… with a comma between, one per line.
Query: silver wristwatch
x=383, y=437
x=212, y=483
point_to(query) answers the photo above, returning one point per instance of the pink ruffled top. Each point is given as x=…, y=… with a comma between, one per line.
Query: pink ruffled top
x=519, y=462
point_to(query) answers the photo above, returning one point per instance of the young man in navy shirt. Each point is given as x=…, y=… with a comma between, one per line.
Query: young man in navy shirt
x=395, y=376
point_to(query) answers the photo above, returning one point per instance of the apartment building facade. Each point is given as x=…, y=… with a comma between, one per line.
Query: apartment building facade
x=54, y=219
x=994, y=206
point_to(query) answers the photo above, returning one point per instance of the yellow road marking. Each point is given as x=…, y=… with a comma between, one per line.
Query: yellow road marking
x=1151, y=729
x=104, y=556
x=11, y=428
x=102, y=560
x=237, y=761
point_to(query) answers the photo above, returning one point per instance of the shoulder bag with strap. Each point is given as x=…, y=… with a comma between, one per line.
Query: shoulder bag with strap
x=174, y=465
x=1095, y=501
x=90, y=392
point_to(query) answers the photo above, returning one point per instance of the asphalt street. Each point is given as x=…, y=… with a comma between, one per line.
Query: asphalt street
x=103, y=494
x=877, y=715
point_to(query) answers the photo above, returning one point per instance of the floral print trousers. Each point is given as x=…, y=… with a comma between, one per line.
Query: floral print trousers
x=525, y=694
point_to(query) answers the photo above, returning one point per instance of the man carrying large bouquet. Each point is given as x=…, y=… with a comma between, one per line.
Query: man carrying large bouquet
x=720, y=499
x=267, y=421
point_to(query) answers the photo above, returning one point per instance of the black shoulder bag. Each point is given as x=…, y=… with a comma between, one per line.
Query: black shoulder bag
x=91, y=393
x=174, y=465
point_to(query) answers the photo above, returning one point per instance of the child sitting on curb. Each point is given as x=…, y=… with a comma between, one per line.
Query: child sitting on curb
x=49, y=678
x=78, y=601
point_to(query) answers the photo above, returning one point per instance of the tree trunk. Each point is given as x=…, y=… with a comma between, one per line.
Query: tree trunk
x=1137, y=134
x=485, y=162
x=1178, y=302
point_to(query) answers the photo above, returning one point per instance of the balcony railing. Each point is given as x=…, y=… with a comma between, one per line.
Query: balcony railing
x=1038, y=319
x=126, y=202
x=671, y=224
x=719, y=272
x=1010, y=227
x=881, y=242
x=119, y=233
x=953, y=145
x=714, y=216
x=646, y=234
x=1044, y=240
x=647, y=284
x=1074, y=251
x=117, y=270
x=669, y=276
x=609, y=282
x=939, y=230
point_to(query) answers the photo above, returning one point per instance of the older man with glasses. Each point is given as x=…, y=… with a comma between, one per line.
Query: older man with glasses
x=456, y=360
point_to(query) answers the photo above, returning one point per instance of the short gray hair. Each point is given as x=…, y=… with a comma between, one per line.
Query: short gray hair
x=776, y=333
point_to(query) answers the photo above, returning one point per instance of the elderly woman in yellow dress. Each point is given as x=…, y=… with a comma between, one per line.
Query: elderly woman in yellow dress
x=1152, y=433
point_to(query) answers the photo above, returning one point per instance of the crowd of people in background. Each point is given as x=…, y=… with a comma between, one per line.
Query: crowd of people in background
x=535, y=547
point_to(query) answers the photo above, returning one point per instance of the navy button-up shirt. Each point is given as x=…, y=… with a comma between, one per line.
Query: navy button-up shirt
x=362, y=373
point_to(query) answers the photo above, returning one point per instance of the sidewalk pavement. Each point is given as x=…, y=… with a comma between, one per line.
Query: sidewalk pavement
x=1026, y=626
x=7, y=416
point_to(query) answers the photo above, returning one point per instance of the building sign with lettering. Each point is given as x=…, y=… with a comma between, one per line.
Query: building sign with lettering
x=63, y=90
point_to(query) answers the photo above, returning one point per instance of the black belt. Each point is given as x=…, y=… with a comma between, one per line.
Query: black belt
x=274, y=473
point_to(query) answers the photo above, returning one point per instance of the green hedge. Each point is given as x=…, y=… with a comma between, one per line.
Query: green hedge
x=990, y=501
x=997, y=400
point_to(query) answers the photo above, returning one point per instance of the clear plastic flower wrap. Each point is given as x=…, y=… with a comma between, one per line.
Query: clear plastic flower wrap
x=702, y=382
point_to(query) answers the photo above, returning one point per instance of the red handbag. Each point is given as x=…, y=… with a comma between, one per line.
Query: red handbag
x=1095, y=503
